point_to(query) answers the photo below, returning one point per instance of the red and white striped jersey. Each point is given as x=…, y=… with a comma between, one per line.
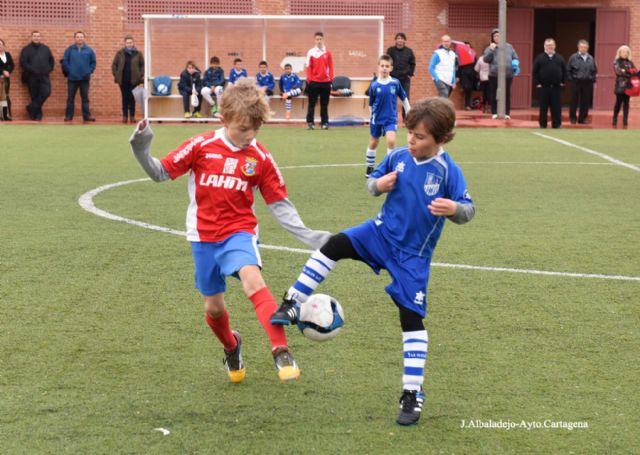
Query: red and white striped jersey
x=222, y=181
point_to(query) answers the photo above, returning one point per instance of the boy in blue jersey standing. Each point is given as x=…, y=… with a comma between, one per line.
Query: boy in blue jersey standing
x=383, y=95
x=425, y=188
x=237, y=71
x=290, y=87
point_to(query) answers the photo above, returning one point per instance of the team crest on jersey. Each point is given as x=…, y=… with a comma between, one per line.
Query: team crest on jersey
x=432, y=184
x=249, y=167
x=230, y=165
x=400, y=166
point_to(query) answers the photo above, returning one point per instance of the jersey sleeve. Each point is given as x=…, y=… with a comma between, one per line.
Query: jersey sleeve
x=457, y=186
x=271, y=184
x=179, y=161
x=385, y=166
x=401, y=93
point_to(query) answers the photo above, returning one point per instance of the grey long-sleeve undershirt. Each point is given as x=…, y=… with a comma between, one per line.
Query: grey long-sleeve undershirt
x=464, y=212
x=283, y=210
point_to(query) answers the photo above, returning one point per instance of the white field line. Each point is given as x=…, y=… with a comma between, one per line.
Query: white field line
x=592, y=152
x=553, y=163
x=86, y=202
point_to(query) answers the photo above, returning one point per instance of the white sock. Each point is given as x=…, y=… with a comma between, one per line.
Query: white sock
x=371, y=157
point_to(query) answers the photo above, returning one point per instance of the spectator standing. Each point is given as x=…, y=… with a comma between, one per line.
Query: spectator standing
x=624, y=69
x=78, y=64
x=581, y=71
x=482, y=68
x=468, y=80
x=404, y=64
x=319, y=78
x=128, y=71
x=6, y=68
x=549, y=76
x=492, y=57
x=37, y=63
x=443, y=68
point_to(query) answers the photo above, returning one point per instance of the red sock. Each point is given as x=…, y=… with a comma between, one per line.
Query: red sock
x=265, y=305
x=222, y=329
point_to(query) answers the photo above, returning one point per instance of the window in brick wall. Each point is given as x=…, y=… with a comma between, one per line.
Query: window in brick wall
x=473, y=17
x=134, y=9
x=43, y=12
x=397, y=14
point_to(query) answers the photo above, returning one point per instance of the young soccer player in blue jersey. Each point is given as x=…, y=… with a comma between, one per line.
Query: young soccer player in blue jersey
x=237, y=71
x=290, y=87
x=424, y=187
x=383, y=102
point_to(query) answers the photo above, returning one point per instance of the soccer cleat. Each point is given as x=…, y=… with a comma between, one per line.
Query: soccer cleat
x=507, y=117
x=494, y=116
x=197, y=114
x=325, y=126
x=187, y=115
x=285, y=364
x=410, y=407
x=368, y=172
x=233, y=361
x=287, y=115
x=214, y=110
x=310, y=126
x=287, y=314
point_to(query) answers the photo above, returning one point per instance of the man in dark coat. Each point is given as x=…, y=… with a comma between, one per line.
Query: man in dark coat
x=549, y=76
x=404, y=64
x=37, y=63
x=581, y=71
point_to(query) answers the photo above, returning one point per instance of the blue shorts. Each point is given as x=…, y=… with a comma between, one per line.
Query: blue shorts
x=381, y=130
x=409, y=272
x=215, y=261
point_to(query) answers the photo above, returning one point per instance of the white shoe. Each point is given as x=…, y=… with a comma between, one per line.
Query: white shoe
x=494, y=116
x=507, y=117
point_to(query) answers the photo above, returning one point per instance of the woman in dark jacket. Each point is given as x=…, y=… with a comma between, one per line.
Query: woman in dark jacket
x=128, y=70
x=624, y=69
x=6, y=68
x=190, y=84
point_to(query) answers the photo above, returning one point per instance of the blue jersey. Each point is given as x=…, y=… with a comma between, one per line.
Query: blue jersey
x=266, y=81
x=383, y=101
x=405, y=220
x=289, y=82
x=235, y=75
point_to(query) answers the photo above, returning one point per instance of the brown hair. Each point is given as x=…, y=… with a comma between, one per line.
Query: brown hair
x=386, y=58
x=436, y=114
x=244, y=101
x=126, y=37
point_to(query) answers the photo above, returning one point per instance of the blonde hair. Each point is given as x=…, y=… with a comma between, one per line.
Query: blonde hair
x=244, y=102
x=623, y=48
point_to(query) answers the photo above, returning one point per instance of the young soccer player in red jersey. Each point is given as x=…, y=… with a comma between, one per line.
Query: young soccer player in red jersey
x=225, y=167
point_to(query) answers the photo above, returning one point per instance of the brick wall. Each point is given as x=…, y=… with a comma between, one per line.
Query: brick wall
x=105, y=28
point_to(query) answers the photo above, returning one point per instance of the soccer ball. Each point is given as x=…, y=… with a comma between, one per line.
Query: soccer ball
x=163, y=89
x=321, y=317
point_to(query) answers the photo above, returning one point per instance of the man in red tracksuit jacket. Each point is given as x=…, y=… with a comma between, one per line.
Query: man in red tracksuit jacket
x=319, y=78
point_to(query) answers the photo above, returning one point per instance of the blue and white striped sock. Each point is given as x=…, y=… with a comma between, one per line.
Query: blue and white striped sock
x=371, y=157
x=314, y=272
x=415, y=355
x=294, y=92
x=287, y=105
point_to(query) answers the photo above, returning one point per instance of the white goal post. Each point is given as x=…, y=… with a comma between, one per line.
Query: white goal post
x=170, y=41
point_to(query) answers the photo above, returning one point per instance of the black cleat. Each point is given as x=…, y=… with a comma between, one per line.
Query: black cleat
x=310, y=126
x=285, y=364
x=368, y=172
x=287, y=314
x=325, y=126
x=410, y=407
x=233, y=361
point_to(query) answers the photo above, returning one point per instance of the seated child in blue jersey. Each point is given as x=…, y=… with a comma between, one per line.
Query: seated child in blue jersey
x=237, y=71
x=190, y=84
x=290, y=86
x=425, y=188
x=213, y=82
x=383, y=95
x=265, y=80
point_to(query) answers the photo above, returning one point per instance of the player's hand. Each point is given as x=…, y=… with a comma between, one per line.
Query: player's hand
x=387, y=182
x=442, y=207
x=142, y=124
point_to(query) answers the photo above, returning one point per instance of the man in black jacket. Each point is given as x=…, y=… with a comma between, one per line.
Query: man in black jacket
x=549, y=76
x=581, y=71
x=404, y=63
x=37, y=63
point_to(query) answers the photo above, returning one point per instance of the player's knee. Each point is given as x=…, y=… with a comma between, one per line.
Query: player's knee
x=410, y=321
x=214, y=306
x=251, y=279
x=338, y=247
x=218, y=90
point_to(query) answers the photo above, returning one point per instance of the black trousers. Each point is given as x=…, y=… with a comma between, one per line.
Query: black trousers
x=581, y=93
x=186, y=102
x=39, y=90
x=406, y=85
x=72, y=89
x=486, y=93
x=323, y=91
x=550, y=97
x=6, y=110
x=622, y=100
x=493, y=88
x=128, y=101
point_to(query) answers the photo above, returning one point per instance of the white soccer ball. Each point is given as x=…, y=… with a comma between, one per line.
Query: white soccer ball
x=163, y=89
x=321, y=317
